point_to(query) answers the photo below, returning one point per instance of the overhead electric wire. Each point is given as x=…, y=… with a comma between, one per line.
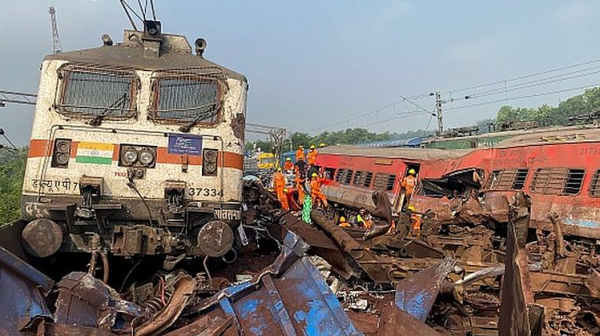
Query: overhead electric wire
x=535, y=83
x=355, y=117
x=525, y=76
x=125, y=7
x=402, y=116
x=523, y=97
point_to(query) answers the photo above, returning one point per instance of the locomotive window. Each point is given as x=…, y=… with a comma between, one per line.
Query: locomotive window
x=186, y=99
x=97, y=92
x=557, y=181
x=384, y=181
x=595, y=185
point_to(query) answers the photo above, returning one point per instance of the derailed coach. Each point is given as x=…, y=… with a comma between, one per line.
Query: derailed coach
x=136, y=148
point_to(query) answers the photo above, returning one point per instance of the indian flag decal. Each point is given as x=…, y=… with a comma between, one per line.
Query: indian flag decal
x=94, y=152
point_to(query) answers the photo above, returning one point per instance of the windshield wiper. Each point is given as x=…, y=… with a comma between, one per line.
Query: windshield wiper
x=187, y=127
x=97, y=120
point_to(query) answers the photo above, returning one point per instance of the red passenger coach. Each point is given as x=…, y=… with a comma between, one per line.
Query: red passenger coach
x=353, y=173
x=559, y=170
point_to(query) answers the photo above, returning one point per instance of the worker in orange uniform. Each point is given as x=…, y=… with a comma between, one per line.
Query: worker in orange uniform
x=288, y=165
x=312, y=156
x=279, y=185
x=299, y=183
x=409, y=183
x=300, y=160
x=415, y=220
x=315, y=191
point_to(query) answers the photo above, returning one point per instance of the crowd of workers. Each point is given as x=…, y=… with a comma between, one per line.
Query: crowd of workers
x=305, y=165
x=310, y=194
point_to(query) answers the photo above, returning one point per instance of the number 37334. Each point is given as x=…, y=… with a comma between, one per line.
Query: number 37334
x=206, y=192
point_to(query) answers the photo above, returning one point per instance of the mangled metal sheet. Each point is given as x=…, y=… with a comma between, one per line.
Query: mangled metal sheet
x=288, y=298
x=22, y=291
x=416, y=294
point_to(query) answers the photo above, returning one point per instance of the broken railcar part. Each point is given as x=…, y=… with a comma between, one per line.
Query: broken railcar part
x=417, y=293
x=22, y=294
x=289, y=297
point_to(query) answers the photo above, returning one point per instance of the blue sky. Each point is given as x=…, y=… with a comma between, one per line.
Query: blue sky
x=314, y=63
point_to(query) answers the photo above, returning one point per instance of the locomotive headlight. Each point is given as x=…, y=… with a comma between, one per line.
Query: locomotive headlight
x=146, y=157
x=129, y=156
x=62, y=153
x=62, y=159
x=209, y=162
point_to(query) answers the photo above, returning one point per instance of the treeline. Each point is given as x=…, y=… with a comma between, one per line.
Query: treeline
x=12, y=169
x=348, y=136
x=565, y=113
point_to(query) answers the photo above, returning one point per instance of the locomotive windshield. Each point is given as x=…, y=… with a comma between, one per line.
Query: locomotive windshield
x=93, y=92
x=187, y=100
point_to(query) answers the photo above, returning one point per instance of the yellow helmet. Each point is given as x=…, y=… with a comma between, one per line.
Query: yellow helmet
x=342, y=219
x=301, y=146
x=412, y=208
x=322, y=145
x=312, y=146
x=278, y=169
x=288, y=159
x=412, y=172
x=314, y=175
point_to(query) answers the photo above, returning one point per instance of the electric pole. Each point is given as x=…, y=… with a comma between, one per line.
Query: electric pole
x=56, y=47
x=438, y=112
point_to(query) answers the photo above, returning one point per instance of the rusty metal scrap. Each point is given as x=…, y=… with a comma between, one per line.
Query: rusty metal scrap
x=416, y=294
x=22, y=295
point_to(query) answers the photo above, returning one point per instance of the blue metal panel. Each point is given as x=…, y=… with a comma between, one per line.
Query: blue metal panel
x=21, y=288
x=289, y=298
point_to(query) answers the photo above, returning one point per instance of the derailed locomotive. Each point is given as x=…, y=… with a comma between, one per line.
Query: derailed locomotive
x=136, y=148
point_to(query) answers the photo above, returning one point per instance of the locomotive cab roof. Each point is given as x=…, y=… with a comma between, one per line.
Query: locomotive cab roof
x=143, y=52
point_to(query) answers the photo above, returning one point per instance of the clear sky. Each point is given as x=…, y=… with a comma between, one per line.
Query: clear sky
x=315, y=63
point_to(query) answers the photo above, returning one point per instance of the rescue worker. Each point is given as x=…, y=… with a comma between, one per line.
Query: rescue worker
x=288, y=165
x=362, y=219
x=300, y=160
x=312, y=156
x=279, y=186
x=408, y=183
x=344, y=223
x=415, y=220
x=315, y=191
x=299, y=183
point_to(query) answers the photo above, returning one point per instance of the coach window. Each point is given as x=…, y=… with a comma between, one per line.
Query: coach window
x=508, y=179
x=340, y=174
x=367, y=181
x=97, y=92
x=186, y=99
x=384, y=181
x=595, y=185
x=557, y=181
x=348, y=176
x=357, y=178
x=329, y=173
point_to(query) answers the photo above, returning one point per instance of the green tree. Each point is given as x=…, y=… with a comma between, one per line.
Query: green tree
x=11, y=182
